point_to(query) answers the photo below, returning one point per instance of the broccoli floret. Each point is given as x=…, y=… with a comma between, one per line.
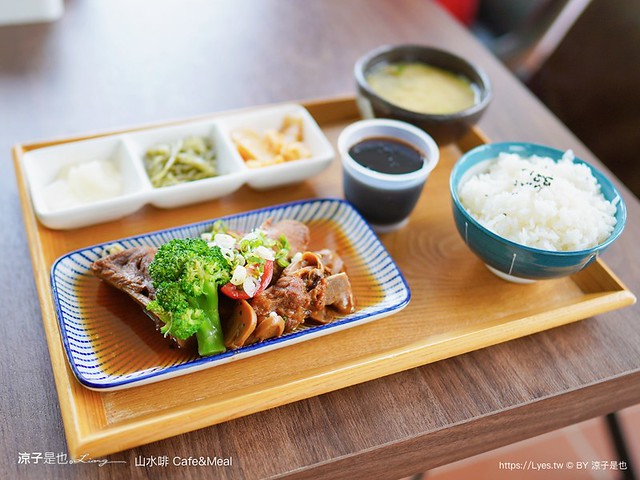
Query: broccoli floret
x=186, y=274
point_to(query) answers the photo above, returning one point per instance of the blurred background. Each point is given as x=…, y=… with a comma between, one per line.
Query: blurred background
x=580, y=57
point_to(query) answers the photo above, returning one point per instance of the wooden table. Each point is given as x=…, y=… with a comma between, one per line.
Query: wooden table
x=111, y=64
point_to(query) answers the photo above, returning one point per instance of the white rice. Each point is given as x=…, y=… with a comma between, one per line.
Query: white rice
x=540, y=203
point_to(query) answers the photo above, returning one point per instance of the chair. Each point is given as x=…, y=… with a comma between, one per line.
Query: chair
x=524, y=33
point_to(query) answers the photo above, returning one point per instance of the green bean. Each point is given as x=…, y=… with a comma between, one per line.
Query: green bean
x=193, y=158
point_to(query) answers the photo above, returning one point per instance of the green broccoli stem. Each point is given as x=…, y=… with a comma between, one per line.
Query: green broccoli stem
x=209, y=335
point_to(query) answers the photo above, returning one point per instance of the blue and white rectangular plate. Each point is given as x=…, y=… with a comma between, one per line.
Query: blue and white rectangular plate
x=111, y=344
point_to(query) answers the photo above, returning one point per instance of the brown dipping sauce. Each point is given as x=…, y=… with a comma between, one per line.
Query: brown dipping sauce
x=382, y=206
x=387, y=155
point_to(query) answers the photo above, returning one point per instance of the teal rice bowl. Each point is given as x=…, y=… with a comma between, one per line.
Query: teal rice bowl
x=514, y=261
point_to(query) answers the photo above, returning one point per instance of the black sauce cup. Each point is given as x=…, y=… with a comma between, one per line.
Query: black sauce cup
x=385, y=200
x=444, y=128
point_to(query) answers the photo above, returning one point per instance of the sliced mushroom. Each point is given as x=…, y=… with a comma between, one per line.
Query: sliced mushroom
x=310, y=269
x=271, y=326
x=303, y=260
x=338, y=293
x=321, y=316
x=312, y=259
x=241, y=325
x=331, y=260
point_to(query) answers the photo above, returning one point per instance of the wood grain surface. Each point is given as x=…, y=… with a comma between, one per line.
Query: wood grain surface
x=107, y=65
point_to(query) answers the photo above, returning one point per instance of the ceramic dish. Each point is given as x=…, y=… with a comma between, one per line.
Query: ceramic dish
x=288, y=172
x=444, y=128
x=110, y=344
x=126, y=152
x=507, y=259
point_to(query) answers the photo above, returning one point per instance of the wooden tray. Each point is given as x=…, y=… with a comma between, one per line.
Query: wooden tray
x=457, y=306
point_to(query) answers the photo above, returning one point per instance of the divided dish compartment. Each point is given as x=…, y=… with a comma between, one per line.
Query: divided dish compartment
x=42, y=166
x=230, y=168
x=127, y=152
x=287, y=173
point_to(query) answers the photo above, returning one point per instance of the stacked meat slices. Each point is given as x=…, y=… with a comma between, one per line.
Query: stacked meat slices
x=304, y=291
x=301, y=292
x=311, y=289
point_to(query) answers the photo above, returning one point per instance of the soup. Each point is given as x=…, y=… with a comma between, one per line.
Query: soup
x=422, y=88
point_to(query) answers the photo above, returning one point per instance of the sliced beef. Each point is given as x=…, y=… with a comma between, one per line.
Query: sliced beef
x=304, y=290
x=311, y=271
x=288, y=297
x=338, y=293
x=297, y=233
x=128, y=270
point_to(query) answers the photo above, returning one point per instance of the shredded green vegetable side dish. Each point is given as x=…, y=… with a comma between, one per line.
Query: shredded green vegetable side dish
x=192, y=158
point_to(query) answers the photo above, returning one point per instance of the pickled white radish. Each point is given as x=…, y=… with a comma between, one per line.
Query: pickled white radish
x=82, y=183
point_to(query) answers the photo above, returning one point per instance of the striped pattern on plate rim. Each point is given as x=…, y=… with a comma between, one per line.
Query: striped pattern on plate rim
x=388, y=293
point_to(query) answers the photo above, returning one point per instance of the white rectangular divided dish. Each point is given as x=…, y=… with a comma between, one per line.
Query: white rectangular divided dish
x=126, y=153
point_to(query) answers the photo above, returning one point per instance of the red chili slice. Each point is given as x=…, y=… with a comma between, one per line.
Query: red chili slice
x=235, y=292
